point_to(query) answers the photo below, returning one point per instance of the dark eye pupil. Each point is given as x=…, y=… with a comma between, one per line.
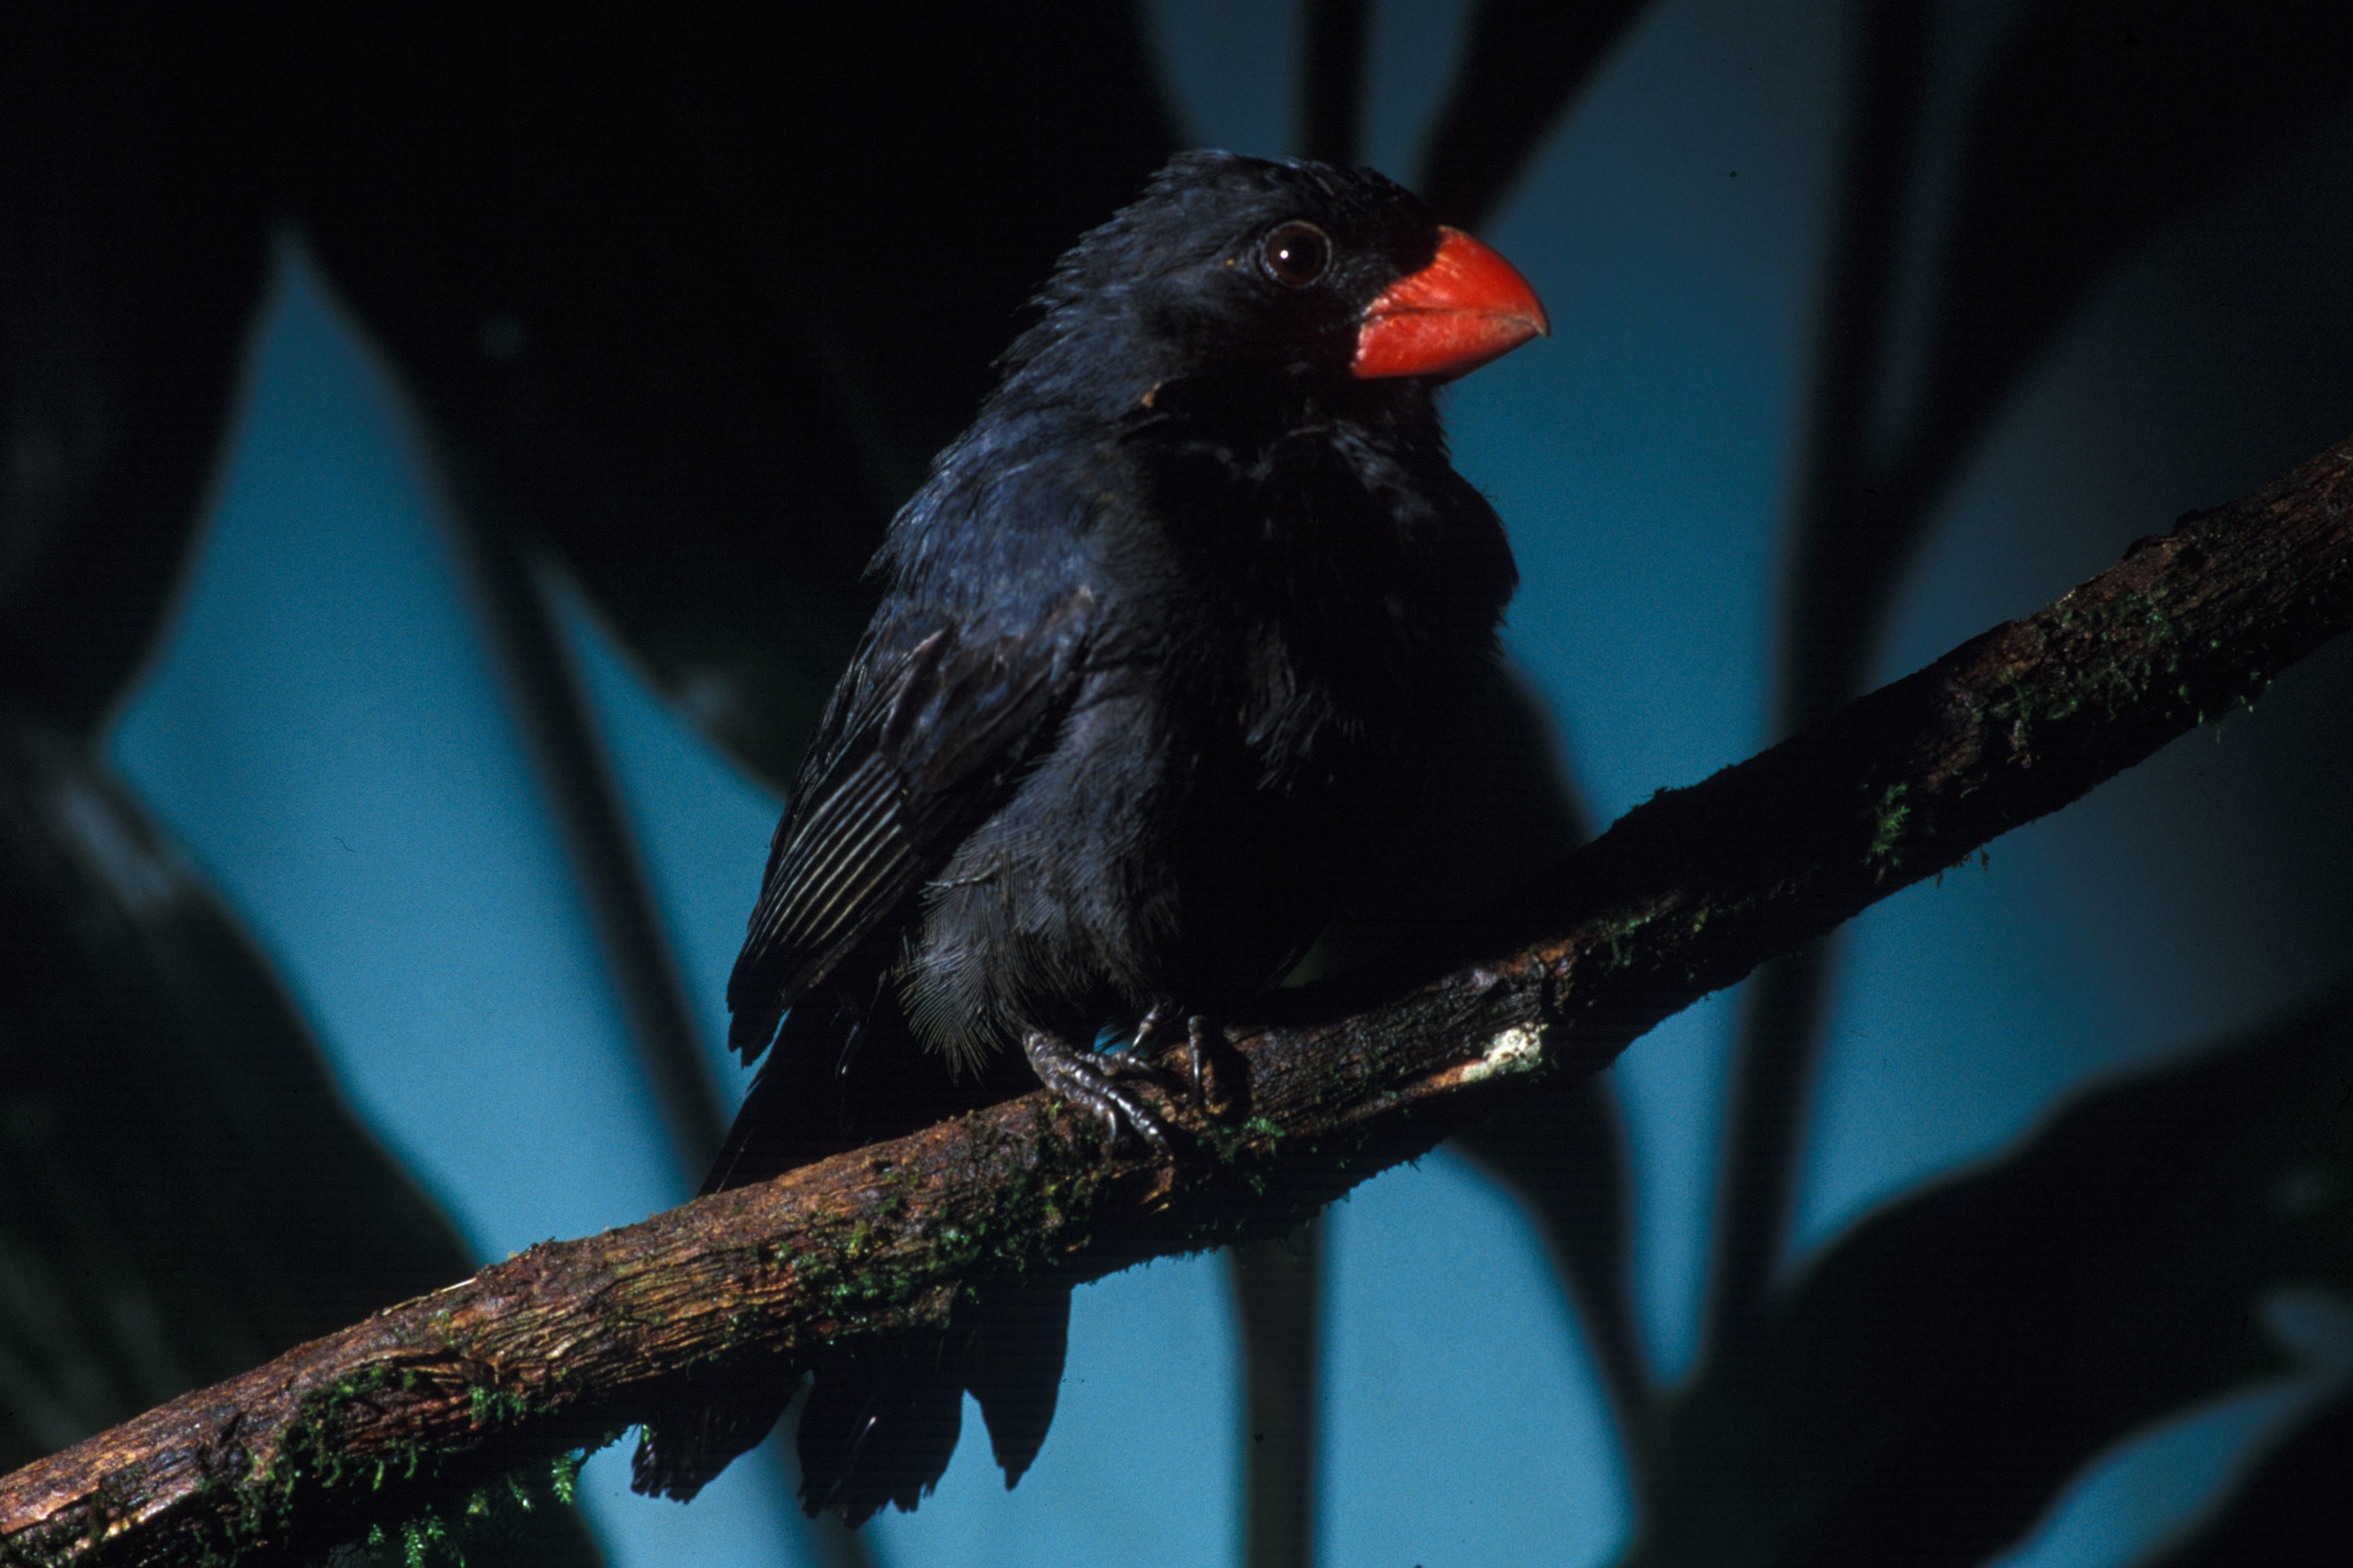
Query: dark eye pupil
x=1296, y=254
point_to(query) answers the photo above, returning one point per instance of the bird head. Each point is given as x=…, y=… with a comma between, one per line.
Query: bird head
x=1245, y=275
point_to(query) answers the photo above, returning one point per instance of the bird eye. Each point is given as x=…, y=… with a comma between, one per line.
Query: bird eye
x=1295, y=254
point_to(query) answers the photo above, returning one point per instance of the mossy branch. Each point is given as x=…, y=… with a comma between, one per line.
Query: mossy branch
x=557, y=1349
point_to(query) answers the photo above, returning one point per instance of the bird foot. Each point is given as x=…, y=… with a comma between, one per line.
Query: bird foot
x=1133, y=1058
x=1089, y=1081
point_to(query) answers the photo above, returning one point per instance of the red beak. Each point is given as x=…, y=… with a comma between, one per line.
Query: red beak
x=1467, y=307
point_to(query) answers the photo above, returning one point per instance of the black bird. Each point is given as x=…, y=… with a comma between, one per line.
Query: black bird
x=1164, y=642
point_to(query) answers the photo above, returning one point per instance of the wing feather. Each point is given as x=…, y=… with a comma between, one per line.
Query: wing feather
x=912, y=754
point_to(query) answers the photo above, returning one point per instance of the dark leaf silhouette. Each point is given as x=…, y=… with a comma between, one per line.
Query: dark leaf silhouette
x=132, y=254
x=688, y=301
x=1333, y=90
x=1565, y=1156
x=2097, y=124
x=183, y=1193
x=1527, y=60
x=692, y=299
x=1501, y=809
x=1928, y=1385
x=1277, y=1288
x=2296, y=1510
x=1850, y=541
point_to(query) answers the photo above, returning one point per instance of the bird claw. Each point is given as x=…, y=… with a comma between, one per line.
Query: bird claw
x=1088, y=1080
x=1197, y=1059
x=1131, y=1058
x=1146, y=1027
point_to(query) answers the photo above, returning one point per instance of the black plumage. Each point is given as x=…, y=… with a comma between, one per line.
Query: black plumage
x=1164, y=643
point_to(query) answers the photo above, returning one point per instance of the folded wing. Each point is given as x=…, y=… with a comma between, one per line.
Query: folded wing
x=927, y=734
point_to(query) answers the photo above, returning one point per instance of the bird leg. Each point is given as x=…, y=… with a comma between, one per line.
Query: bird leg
x=1087, y=1081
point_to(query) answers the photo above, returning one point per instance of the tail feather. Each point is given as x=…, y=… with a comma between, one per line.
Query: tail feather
x=1014, y=1366
x=880, y=1427
x=881, y=1420
x=679, y=1458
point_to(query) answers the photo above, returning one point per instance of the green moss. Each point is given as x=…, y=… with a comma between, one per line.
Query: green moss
x=1619, y=940
x=419, y=1537
x=564, y=1476
x=436, y=1536
x=496, y=1406
x=309, y=1460
x=1887, y=850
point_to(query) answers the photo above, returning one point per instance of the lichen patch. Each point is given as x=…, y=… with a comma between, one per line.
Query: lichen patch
x=1516, y=1049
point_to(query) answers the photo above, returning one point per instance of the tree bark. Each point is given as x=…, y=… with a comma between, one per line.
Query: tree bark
x=563, y=1346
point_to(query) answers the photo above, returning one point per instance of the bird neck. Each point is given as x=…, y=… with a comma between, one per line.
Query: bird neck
x=1303, y=498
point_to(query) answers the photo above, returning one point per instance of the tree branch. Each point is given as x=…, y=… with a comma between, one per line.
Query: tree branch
x=561, y=1347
